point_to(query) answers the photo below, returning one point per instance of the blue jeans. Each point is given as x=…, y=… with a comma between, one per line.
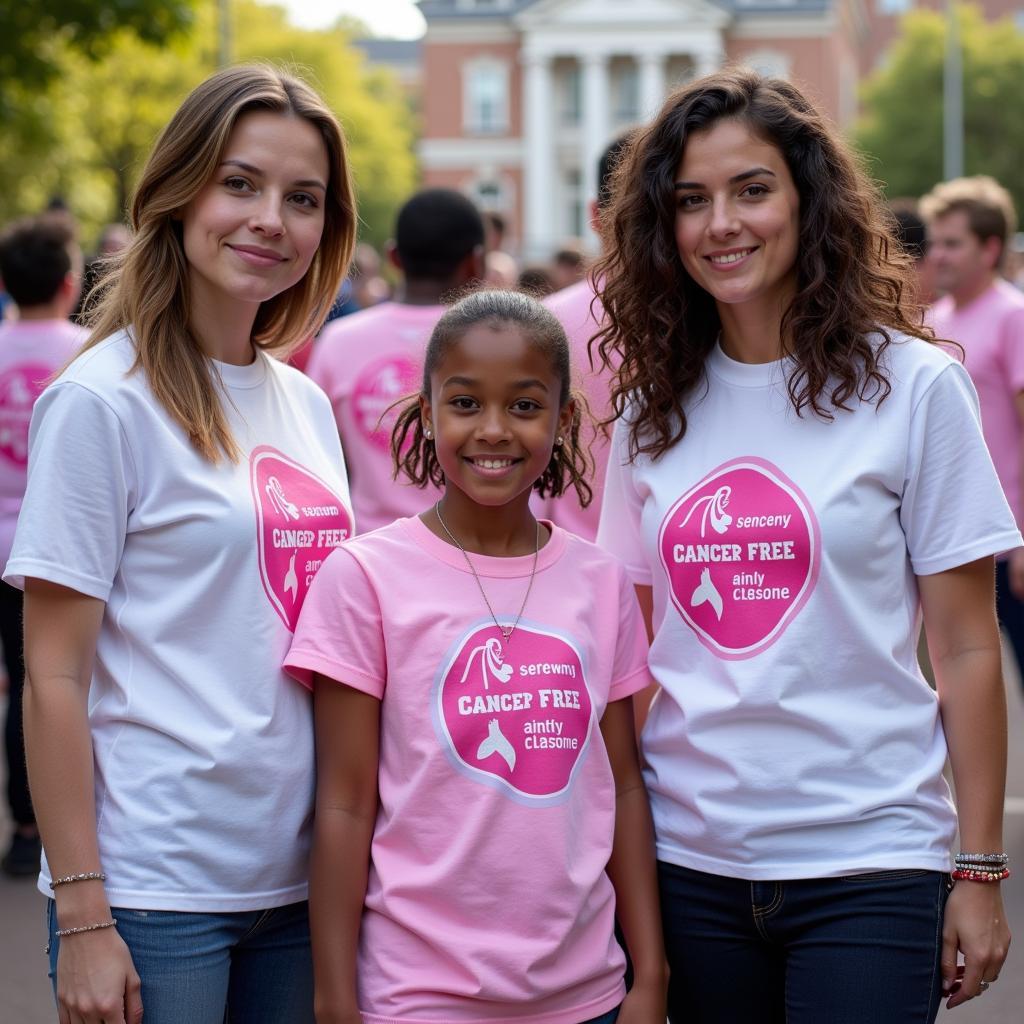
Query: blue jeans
x=252, y=967
x=843, y=950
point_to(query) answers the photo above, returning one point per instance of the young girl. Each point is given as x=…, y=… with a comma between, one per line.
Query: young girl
x=183, y=487
x=798, y=475
x=480, y=816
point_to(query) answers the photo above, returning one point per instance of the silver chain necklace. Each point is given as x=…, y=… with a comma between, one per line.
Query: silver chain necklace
x=506, y=633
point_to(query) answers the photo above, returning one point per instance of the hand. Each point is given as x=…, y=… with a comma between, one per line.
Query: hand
x=974, y=924
x=96, y=980
x=1015, y=565
x=645, y=1002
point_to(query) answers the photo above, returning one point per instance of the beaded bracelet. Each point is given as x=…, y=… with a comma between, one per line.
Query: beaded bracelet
x=86, y=876
x=982, y=858
x=973, y=875
x=62, y=932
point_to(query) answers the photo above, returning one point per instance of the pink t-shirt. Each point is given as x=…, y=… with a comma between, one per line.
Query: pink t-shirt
x=365, y=362
x=31, y=351
x=991, y=331
x=487, y=898
x=572, y=307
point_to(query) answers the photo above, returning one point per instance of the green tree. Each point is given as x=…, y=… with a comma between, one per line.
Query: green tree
x=901, y=128
x=87, y=135
x=35, y=31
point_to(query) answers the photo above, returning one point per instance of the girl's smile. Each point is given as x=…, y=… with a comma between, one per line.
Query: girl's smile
x=495, y=414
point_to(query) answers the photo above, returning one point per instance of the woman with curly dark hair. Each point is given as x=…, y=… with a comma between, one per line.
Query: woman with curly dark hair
x=797, y=474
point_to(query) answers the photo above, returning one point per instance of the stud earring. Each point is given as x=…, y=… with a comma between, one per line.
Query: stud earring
x=559, y=441
x=428, y=434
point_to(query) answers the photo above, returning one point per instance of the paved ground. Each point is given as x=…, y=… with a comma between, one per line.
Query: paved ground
x=25, y=993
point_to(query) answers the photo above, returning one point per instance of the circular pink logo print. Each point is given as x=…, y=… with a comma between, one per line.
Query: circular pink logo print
x=299, y=522
x=20, y=386
x=742, y=550
x=518, y=716
x=377, y=388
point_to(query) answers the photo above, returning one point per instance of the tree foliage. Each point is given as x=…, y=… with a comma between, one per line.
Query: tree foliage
x=86, y=137
x=901, y=128
x=35, y=32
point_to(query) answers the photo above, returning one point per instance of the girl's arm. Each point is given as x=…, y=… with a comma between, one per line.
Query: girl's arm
x=347, y=725
x=642, y=700
x=96, y=980
x=632, y=872
x=963, y=640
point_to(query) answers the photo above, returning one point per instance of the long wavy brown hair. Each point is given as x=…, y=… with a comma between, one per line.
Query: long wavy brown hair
x=145, y=288
x=853, y=279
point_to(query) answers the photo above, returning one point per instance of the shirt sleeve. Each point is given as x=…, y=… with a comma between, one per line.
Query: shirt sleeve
x=619, y=531
x=953, y=509
x=340, y=632
x=82, y=486
x=1013, y=350
x=630, y=673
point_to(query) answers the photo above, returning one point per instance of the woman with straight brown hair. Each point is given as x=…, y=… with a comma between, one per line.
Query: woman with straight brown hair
x=184, y=487
x=797, y=477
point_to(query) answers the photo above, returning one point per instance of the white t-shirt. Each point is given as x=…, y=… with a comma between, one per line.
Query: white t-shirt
x=31, y=352
x=794, y=736
x=203, y=750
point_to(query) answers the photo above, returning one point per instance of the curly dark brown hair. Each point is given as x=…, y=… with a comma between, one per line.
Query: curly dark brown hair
x=570, y=463
x=852, y=277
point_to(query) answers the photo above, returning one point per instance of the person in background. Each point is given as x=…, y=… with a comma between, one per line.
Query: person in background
x=797, y=477
x=41, y=267
x=569, y=265
x=368, y=361
x=184, y=487
x=578, y=309
x=113, y=239
x=970, y=224
x=912, y=234
x=537, y=280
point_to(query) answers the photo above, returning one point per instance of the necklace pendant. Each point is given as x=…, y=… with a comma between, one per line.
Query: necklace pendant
x=506, y=633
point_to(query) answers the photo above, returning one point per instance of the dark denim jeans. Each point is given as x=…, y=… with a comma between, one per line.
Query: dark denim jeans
x=861, y=949
x=1011, y=613
x=252, y=967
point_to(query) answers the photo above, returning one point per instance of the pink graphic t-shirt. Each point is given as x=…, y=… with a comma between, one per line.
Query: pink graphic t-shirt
x=366, y=362
x=572, y=307
x=991, y=331
x=31, y=352
x=487, y=898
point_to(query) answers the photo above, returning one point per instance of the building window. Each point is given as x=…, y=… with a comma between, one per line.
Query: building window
x=574, y=205
x=769, y=63
x=570, y=105
x=625, y=93
x=486, y=98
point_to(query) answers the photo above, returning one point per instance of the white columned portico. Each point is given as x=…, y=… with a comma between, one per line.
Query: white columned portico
x=596, y=125
x=539, y=165
x=708, y=59
x=652, y=83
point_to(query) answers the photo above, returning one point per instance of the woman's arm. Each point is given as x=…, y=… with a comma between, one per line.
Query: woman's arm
x=96, y=980
x=963, y=641
x=632, y=872
x=347, y=725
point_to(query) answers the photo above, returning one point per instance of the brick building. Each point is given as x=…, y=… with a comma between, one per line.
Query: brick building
x=519, y=97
